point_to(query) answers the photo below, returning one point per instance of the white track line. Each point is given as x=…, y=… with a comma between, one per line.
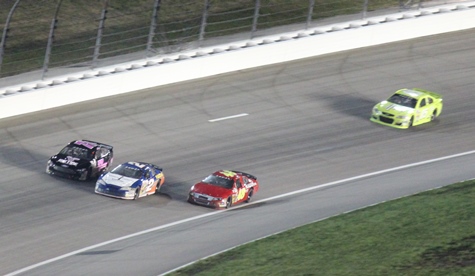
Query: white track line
x=255, y=202
x=227, y=118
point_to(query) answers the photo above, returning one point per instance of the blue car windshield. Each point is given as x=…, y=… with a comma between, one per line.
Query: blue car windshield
x=128, y=171
x=219, y=181
x=403, y=100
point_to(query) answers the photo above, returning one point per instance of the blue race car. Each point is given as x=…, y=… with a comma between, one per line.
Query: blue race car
x=131, y=180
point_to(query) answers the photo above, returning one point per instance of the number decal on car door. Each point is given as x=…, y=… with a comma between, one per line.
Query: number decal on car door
x=241, y=194
x=148, y=183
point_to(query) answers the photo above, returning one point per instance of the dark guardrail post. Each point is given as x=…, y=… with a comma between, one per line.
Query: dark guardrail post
x=153, y=26
x=97, y=47
x=311, y=5
x=204, y=21
x=255, y=20
x=54, y=24
x=6, y=29
x=365, y=9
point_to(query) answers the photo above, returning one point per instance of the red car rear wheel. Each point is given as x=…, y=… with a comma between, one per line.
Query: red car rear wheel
x=249, y=195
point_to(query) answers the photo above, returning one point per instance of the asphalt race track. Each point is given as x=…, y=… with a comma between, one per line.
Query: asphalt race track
x=307, y=125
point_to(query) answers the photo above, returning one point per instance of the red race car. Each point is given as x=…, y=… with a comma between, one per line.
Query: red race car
x=223, y=189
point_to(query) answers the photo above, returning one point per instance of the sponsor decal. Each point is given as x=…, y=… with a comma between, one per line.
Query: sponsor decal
x=389, y=107
x=101, y=164
x=72, y=161
x=138, y=164
x=228, y=173
x=86, y=144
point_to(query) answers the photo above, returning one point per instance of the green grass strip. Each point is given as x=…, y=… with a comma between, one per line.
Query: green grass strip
x=431, y=233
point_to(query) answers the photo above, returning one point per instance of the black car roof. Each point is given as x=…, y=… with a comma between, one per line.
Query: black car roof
x=90, y=144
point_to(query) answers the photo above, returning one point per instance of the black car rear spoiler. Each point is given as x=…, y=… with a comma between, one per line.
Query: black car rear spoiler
x=101, y=144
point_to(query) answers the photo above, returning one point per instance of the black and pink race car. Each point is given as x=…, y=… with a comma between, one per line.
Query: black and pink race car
x=81, y=160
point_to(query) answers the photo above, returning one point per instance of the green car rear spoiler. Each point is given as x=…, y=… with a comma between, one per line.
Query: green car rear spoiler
x=432, y=94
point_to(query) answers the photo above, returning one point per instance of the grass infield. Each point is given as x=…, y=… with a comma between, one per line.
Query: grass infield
x=431, y=233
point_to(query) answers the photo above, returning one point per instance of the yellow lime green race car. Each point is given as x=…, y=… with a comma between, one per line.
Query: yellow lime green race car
x=408, y=107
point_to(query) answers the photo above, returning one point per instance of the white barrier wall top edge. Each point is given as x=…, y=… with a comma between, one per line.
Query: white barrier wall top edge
x=241, y=55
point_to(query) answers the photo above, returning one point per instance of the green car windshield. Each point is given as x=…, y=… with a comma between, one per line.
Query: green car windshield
x=403, y=100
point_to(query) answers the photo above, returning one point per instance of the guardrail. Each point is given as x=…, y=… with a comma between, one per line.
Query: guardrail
x=44, y=36
x=147, y=73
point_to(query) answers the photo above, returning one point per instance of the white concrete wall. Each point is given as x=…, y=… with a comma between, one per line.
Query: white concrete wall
x=142, y=74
